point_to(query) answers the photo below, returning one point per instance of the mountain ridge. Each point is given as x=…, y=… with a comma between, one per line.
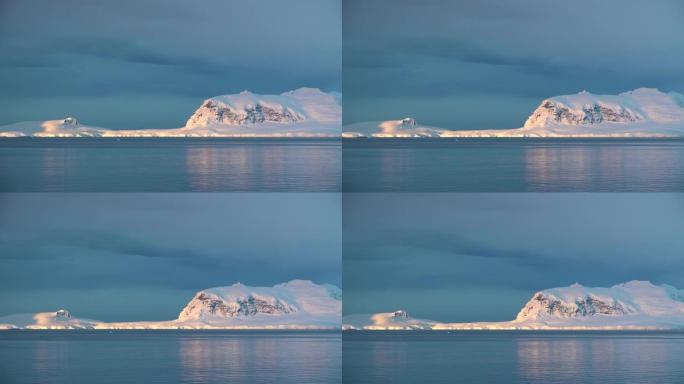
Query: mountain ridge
x=304, y=112
x=297, y=304
x=643, y=112
x=634, y=305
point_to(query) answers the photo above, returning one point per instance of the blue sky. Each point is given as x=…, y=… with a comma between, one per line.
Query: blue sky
x=489, y=63
x=149, y=63
x=117, y=257
x=477, y=257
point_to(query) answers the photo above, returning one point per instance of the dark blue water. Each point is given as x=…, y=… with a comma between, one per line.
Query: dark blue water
x=513, y=165
x=169, y=357
x=513, y=357
x=169, y=165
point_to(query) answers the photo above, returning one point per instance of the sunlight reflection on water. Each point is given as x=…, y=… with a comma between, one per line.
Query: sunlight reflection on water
x=610, y=359
x=169, y=165
x=513, y=357
x=63, y=357
x=645, y=167
x=238, y=360
x=501, y=165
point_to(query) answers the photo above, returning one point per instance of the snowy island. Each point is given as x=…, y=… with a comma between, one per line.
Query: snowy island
x=635, y=305
x=305, y=112
x=644, y=112
x=296, y=305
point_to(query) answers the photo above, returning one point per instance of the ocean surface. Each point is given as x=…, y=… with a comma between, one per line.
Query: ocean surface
x=513, y=357
x=168, y=357
x=170, y=165
x=513, y=165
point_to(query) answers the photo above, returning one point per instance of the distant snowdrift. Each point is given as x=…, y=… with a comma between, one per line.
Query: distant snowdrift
x=69, y=127
x=392, y=321
x=298, y=304
x=60, y=319
x=404, y=128
x=636, y=305
x=644, y=112
x=305, y=112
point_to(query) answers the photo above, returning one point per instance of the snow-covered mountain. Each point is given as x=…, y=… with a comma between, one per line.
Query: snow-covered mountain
x=305, y=112
x=297, y=304
x=635, y=305
x=586, y=109
x=644, y=112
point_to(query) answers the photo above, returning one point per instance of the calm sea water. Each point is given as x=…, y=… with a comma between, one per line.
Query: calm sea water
x=513, y=165
x=169, y=357
x=169, y=165
x=513, y=357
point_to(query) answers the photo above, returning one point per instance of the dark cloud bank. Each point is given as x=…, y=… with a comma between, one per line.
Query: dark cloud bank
x=142, y=256
x=137, y=64
x=487, y=64
x=467, y=257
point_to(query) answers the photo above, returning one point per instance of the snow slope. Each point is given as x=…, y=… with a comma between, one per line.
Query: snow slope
x=68, y=127
x=397, y=320
x=61, y=319
x=635, y=305
x=404, y=128
x=305, y=112
x=297, y=304
x=644, y=112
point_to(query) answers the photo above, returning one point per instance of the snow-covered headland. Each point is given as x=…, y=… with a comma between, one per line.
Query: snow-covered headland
x=643, y=112
x=305, y=112
x=297, y=304
x=635, y=305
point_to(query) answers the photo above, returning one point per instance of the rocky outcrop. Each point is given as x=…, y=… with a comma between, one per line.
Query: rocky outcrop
x=62, y=314
x=213, y=112
x=543, y=305
x=400, y=314
x=553, y=112
x=206, y=304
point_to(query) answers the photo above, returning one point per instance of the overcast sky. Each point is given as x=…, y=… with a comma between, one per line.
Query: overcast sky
x=116, y=257
x=478, y=257
x=149, y=63
x=489, y=63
